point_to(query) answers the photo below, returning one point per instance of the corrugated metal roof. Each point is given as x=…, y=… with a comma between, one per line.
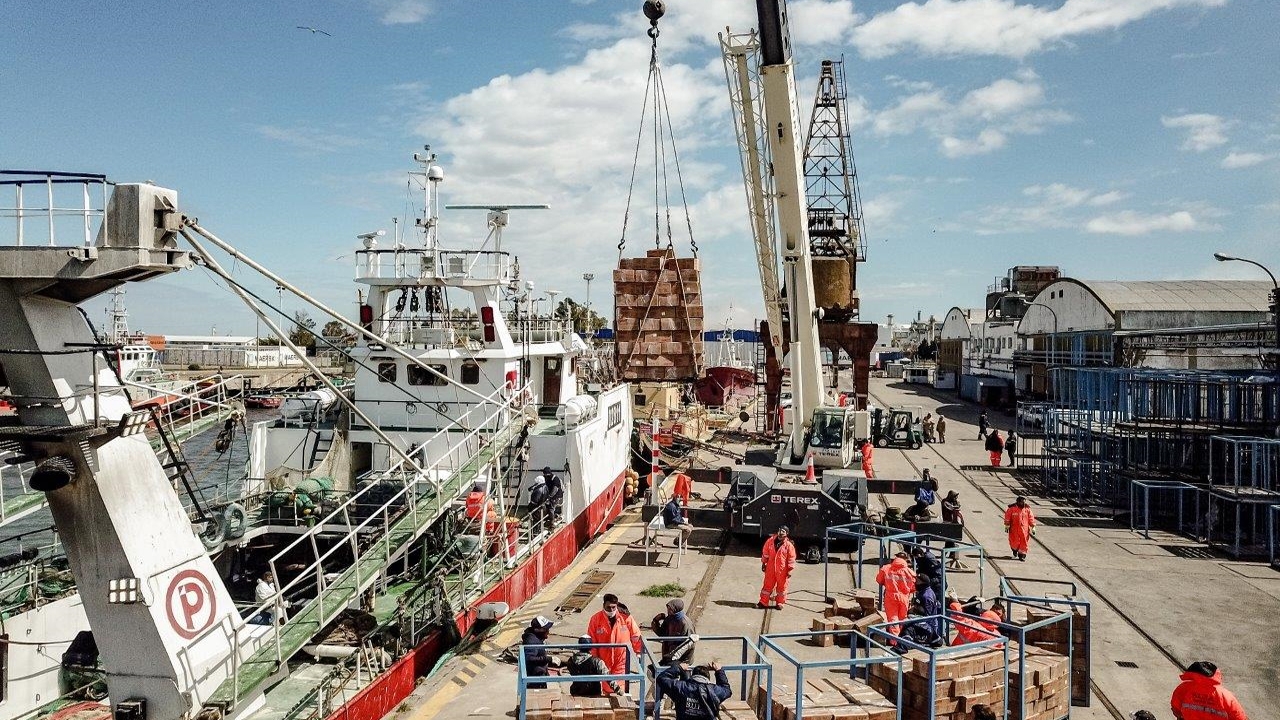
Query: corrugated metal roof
x=1182, y=295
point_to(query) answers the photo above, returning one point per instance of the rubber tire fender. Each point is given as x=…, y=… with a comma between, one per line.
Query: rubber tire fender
x=234, y=521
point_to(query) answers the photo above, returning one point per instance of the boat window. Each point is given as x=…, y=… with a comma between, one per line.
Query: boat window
x=470, y=374
x=615, y=415
x=421, y=376
x=387, y=372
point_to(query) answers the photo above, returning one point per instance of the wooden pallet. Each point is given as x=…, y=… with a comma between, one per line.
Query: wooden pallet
x=586, y=590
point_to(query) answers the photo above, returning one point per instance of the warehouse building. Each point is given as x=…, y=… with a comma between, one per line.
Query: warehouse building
x=1174, y=325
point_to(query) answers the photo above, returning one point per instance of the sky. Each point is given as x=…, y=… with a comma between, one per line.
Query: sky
x=1118, y=139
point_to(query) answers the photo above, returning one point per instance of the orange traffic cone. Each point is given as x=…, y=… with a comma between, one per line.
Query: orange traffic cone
x=809, y=475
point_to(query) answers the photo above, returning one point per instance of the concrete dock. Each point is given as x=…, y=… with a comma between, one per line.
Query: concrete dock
x=1157, y=604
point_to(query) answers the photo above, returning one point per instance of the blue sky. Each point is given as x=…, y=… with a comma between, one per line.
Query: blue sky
x=1120, y=139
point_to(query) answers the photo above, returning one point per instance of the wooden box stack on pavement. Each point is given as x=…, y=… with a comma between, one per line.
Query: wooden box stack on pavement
x=828, y=698
x=962, y=680
x=553, y=704
x=658, y=317
x=1045, y=686
x=1054, y=639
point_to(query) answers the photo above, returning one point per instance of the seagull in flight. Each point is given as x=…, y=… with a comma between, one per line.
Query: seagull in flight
x=314, y=30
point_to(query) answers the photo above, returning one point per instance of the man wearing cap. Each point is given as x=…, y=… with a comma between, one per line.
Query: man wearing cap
x=777, y=561
x=536, y=659
x=610, y=626
x=676, y=625
x=697, y=693
x=583, y=662
x=1201, y=696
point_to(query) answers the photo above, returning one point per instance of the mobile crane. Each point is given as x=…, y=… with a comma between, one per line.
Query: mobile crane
x=758, y=68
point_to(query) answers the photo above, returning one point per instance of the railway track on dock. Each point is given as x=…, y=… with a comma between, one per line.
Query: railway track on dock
x=1098, y=594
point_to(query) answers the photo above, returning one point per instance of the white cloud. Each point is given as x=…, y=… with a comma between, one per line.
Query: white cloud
x=1236, y=160
x=1132, y=223
x=998, y=27
x=307, y=138
x=1051, y=206
x=1204, y=131
x=402, y=12
x=980, y=121
x=986, y=141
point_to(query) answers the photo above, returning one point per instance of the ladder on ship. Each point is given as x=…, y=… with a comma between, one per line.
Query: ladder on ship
x=250, y=676
x=761, y=359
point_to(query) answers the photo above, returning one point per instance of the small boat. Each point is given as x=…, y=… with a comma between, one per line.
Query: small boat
x=263, y=402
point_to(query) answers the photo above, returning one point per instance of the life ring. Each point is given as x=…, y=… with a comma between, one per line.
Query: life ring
x=234, y=521
x=213, y=533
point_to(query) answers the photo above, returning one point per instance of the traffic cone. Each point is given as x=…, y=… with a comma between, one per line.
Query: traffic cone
x=809, y=475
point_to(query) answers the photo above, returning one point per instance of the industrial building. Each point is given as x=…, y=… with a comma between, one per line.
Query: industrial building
x=1176, y=325
x=226, y=351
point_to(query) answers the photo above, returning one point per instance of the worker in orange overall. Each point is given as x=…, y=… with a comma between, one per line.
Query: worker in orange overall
x=683, y=489
x=969, y=630
x=867, y=468
x=899, y=583
x=609, y=625
x=1020, y=523
x=479, y=505
x=777, y=561
x=1201, y=696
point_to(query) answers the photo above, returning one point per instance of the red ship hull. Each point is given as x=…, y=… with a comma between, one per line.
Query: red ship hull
x=720, y=384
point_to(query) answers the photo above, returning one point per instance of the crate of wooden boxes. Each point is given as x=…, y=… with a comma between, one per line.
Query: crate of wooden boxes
x=829, y=698
x=962, y=680
x=1043, y=681
x=552, y=704
x=845, y=615
x=1054, y=639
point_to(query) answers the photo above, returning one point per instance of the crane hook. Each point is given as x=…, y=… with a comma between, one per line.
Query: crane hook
x=654, y=10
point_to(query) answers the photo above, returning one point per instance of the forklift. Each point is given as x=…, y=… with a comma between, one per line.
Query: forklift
x=897, y=427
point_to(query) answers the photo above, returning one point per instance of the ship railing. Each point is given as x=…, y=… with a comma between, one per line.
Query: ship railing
x=57, y=204
x=26, y=556
x=17, y=499
x=401, y=263
x=361, y=538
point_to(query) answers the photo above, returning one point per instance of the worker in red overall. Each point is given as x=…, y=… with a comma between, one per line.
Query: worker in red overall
x=995, y=448
x=683, y=489
x=899, y=583
x=1020, y=523
x=479, y=505
x=1201, y=696
x=777, y=560
x=867, y=468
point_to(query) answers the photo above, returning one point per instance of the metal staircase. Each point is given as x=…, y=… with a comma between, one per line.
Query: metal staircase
x=376, y=542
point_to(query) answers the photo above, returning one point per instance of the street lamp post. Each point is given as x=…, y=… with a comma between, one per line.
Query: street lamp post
x=1275, y=293
x=589, y=277
x=1053, y=339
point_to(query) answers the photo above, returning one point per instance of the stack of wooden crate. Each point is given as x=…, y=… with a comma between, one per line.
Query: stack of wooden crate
x=658, y=317
x=1054, y=639
x=828, y=698
x=961, y=681
x=553, y=704
x=845, y=615
x=1043, y=681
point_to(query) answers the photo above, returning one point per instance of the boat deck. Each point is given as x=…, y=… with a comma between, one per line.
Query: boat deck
x=1140, y=596
x=303, y=625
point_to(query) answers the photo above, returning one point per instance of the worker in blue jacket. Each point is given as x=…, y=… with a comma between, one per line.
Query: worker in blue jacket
x=697, y=693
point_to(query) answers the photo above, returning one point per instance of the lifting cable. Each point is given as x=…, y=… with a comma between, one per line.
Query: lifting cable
x=663, y=135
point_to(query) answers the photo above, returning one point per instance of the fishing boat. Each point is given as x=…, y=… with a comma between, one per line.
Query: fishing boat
x=729, y=380
x=393, y=521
